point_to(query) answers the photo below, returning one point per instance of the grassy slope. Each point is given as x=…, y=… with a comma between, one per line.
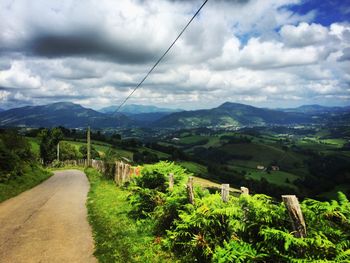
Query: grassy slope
x=35, y=145
x=118, y=237
x=101, y=147
x=32, y=177
x=195, y=168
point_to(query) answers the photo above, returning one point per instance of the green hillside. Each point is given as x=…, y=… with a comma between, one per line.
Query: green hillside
x=230, y=114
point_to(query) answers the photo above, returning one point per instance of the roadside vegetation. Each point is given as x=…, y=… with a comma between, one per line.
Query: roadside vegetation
x=273, y=160
x=118, y=236
x=145, y=221
x=19, y=166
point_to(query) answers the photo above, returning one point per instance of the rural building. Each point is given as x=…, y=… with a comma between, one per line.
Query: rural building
x=275, y=168
x=260, y=167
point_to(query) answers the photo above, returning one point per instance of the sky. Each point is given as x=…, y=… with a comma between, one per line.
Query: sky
x=266, y=53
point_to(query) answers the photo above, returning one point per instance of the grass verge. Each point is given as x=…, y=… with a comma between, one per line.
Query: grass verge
x=118, y=237
x=33, y=175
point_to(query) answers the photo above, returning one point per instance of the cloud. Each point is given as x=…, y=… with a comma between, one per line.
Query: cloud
x=19, y=76
x=304, y=34
x=89, y=44
x=346, y=55
x=258, y=52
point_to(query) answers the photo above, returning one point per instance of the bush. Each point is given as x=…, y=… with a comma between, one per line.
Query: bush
x=69, y=152
x=48, y=145
x=150, y=188
x=94, y=153
x=255, y=229
x=15, y=155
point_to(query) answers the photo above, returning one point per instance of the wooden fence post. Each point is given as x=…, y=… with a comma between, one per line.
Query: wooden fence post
x=292, y=204
x=120, y=170
x=58, y=151
x=116, y=172
x=244, y=190
x=88, y=147
x=126, y=172
x=171, y=181
x=123, y=173
x=190, y=192
x=225, y=192
x=131, y=172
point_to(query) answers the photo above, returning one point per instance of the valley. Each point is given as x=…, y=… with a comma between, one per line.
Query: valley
x=309, y=160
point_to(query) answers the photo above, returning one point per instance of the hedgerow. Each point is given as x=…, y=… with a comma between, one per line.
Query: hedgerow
x=246, y=229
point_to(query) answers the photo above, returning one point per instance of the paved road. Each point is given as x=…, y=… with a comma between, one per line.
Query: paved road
x=48, y=223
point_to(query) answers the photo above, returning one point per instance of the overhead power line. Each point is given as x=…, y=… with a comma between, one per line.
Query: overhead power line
x=160, y=59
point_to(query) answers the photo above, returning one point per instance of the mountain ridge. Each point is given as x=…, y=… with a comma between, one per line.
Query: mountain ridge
x=228, y=114
x=65, y=114
x=231, y=114
x=137, y=109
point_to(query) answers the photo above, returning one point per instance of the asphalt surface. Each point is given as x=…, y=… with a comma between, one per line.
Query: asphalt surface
x=48, y=223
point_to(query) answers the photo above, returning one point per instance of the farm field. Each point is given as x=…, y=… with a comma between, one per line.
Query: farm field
x=195, y=168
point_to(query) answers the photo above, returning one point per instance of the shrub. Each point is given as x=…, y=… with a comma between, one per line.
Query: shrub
x=256, y=229
x=68, y=152
x=150, y=189
x=15, y=155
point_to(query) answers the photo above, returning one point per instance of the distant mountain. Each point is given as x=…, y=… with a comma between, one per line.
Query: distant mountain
x=66, y=114
x=109, y=109
x=147, y=118
x=316, y=109
x=131, y=109
x=1, y=110
x=231, y=114
x=228, y=114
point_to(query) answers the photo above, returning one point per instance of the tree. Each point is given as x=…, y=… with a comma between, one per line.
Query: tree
x=94, y=153
x=15, y=155
x=68, y=152
x=48, y=146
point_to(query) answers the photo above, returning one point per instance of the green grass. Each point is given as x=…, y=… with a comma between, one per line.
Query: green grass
x=35, y=145
x=32, y=177
x=193, y=140
x=195, y=168
x=102, y=148
x=274, y=177
x=321, y=145
x=338, y=143
x=263, y=154
x=332, y=194
x=161, y=155
x=118, y=237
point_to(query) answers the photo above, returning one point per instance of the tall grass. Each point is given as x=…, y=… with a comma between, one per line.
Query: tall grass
x=118, y=237
x=33, y=175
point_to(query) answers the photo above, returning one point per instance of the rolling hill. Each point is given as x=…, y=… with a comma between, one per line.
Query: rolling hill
x=228, y=114
x=316, y=109
x=65, y=114
x=131, y=109
x=231, y=114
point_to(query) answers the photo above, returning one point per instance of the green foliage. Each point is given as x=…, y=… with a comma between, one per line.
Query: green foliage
x=255, y=229
x=19, y=169
x=32, y=175
x=245, y=229
x=15, y=155
x=119, y=238
x=237, y=251
x=145, y=157
x=150, y=191
x=83, y=152
x=48, y=145
x=155, y=176
x=69, y=152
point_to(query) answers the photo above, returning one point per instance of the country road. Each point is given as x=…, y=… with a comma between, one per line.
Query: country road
x=48, y=223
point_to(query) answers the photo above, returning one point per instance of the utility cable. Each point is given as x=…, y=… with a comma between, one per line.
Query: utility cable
x=160, y=59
